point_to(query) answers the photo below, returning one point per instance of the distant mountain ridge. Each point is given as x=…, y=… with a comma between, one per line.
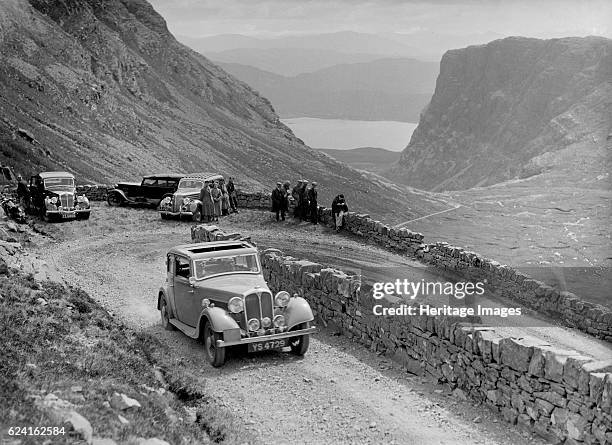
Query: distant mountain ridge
x=384, y=89
x=503, y=110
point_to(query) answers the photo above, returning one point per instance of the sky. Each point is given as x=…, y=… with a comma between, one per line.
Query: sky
x=269, y=18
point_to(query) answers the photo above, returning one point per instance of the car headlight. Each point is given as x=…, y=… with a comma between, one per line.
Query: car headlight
x=253, y=324
x=266, y=322
x=235, y=305
x=279, y=321
x=187, y=201
x=282, y=298
x=53, y=200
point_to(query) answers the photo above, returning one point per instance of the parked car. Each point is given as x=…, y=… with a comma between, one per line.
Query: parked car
x=185, y=202
x=216, y=292
x=53, y=196
x=149, y=192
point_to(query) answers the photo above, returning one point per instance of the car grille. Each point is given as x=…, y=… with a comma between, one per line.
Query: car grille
x=67, y=201
x=259, y=306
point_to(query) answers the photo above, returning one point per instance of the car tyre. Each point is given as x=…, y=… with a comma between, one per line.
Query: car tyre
x=114, y=199
x=215, y=356
x=165, y=316
x=83, y=216
x=299, y=345
x=197, y=215
x=163, y=216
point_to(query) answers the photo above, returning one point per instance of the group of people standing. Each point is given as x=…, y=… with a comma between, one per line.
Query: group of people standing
x=306, y=204
x=218, y=199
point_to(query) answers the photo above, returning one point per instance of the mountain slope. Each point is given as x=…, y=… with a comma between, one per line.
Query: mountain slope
x=499, y=108
x=101, y=88
x=383, y=89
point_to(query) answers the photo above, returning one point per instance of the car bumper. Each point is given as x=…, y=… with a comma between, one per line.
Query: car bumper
x=67, y=214
x=174, y=214
x=288, y=334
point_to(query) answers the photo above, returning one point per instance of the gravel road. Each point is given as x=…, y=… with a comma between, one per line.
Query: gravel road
x=338, y=393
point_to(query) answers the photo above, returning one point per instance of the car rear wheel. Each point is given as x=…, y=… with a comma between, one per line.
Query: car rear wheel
x=197, y=215
x=214, y=355
x=165, y=316
x=299, y=345
x=83, y=215
x=114, y=199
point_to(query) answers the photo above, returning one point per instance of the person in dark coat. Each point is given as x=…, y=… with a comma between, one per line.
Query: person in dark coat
x=295, y=193
x=339, y=209
x=303, y=201
x=23, y=192
x=208, y=206
x=312, y=203
x=231, y=189
x=278, y=201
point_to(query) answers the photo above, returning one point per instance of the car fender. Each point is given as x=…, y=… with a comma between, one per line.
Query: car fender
x=163, y=293
x=297, y=311
x=120, y=192
x=218, y=318
x=194, y=204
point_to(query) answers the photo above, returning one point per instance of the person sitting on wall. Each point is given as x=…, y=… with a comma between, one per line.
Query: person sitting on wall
x=278, y=201
x=339, y=209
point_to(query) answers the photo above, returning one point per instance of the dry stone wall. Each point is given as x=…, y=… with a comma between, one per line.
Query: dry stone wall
x=94, y=192
x=564, y=306
x=559, y=394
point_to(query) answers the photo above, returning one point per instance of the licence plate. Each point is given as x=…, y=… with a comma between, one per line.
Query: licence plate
x=68, y=214
x=269, y=345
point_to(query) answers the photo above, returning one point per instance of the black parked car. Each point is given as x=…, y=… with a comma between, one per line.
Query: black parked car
x=149, y=192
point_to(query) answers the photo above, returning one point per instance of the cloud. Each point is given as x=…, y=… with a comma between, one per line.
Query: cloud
x=540, y=18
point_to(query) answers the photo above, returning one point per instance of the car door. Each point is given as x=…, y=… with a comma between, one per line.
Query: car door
x=184, y=295
x=148, y=189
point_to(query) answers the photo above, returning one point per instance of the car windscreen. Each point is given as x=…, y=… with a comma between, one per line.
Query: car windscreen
x=208, y=267
x=59, y=183
x=190, y=184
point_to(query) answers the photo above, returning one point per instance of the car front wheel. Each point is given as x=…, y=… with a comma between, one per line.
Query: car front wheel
x=214, y=355
x=299, y=345
x=114, y=199
x=165, y=316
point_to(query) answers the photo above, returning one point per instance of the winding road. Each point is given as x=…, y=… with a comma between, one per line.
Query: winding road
x=340, y=392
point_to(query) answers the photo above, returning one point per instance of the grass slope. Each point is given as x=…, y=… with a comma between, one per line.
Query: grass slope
x=70, y=347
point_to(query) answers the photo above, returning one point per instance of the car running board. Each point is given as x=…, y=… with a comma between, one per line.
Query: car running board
x=186, y=329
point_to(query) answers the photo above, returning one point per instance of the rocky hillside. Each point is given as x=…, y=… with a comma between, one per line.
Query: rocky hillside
x=503, y=109
x=102, y=89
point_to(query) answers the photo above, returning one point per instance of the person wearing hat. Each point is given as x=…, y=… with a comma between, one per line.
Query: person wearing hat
x=278, y=201
x=295, y=194
x=312, y=203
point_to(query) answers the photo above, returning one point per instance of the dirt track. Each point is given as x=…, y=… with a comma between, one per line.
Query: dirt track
x=338, y=393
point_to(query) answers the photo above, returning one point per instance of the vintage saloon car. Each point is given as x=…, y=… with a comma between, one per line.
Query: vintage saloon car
x=149, y=192
x=216, y=292
x=53, y=196
x=185, y=202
